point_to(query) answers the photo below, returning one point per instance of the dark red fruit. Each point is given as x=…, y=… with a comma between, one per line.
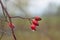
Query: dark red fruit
x=35, y=22
x=33, y=27
x=11, y=25
x=37, y=18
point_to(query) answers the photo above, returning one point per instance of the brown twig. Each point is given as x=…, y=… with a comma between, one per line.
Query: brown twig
x=13, y=34
x=8, y=18
x=21, y=17
x=4, y=9
x=4, y=14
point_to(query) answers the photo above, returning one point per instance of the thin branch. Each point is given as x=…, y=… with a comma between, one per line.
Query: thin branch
x=8, y=18
x=5, y=17
x=13, y=34
x=20, y=17
x=4, y=9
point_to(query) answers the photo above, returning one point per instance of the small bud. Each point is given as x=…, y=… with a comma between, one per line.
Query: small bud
x=11, y=25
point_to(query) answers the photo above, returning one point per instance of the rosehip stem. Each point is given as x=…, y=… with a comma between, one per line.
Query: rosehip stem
x=4, y=13
x=13, y=34
x=12, y=30
x=4, y=9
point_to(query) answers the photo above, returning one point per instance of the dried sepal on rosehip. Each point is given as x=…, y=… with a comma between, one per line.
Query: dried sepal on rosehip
x=11, y=25
x=33, y=27
x=37, y=18
x=35, y=22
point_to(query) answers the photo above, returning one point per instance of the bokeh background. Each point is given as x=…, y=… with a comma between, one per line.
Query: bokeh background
x=49, y=26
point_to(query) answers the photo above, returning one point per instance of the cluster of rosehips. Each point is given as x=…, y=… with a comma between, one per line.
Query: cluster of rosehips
x=35, y=23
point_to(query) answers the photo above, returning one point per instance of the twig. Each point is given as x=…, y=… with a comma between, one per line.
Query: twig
x=4, y=14
x=4, y=9
x=8, y=18
x=13, y=34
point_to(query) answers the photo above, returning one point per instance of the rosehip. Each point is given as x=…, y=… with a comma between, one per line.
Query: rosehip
x=11, y=25
x=35, y=22
x=37, y=18
x=33, y=27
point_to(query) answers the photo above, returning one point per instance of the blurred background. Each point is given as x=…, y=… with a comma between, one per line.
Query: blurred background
x=49, y=26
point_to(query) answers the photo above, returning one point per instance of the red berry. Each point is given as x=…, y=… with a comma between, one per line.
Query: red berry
x=11, y=25
x=35, y=22
x=33, y=27
x=37, y=18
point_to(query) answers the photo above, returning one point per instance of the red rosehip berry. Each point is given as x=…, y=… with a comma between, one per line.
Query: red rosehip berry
x=11, y=25
x=37, y=18
x=33, y=27
x=35, y=22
